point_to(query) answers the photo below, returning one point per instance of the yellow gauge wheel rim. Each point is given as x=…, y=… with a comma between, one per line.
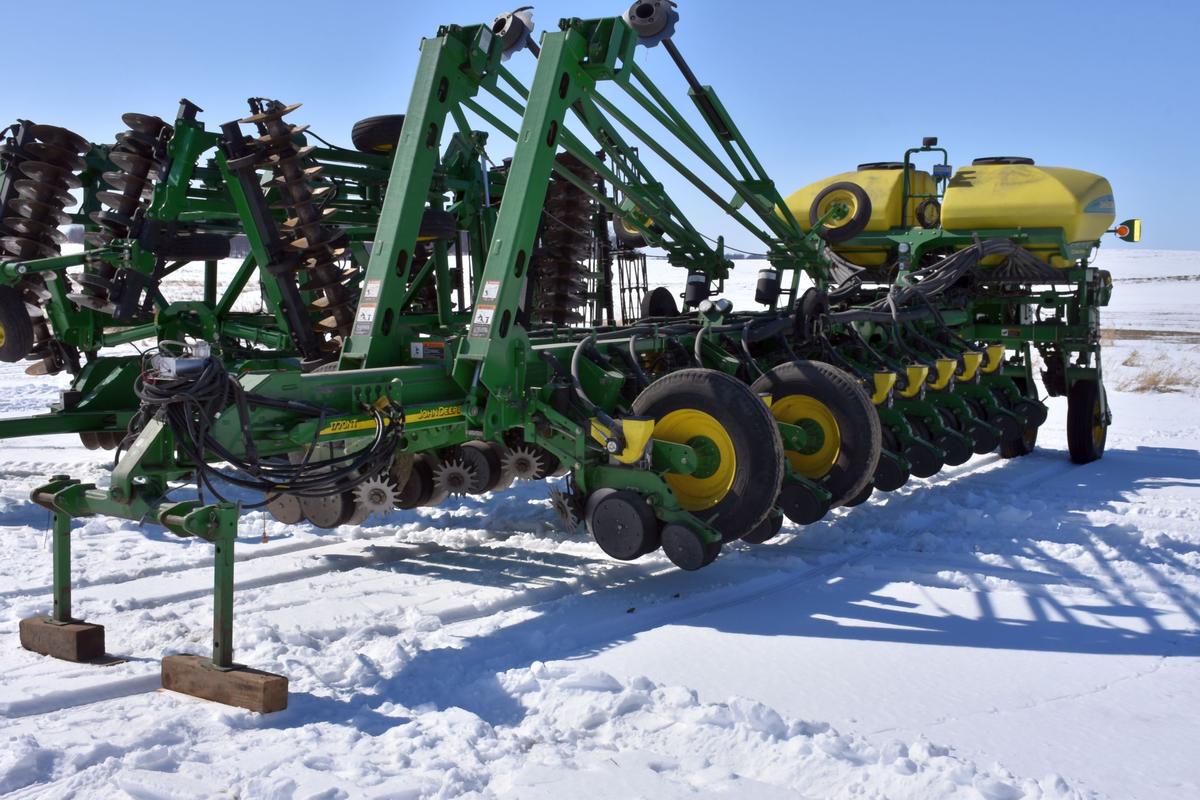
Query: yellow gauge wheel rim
x=842, y=197
x=1097, y=425
x=699, y=429
x=1, y=335
x=796, y=408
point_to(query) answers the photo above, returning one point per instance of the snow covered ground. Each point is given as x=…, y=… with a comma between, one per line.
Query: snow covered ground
x=1003, y=630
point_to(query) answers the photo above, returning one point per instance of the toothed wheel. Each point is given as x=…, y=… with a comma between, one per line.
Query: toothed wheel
x=375, y=495
x=524, y=463
x=566, y=506
x=453, y=477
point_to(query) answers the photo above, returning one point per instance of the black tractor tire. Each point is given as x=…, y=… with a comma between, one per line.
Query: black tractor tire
x=848, y=228
x=852, y=410
x=757, y=449
x=16, y=329
x=1086, y=431
x=377, y=134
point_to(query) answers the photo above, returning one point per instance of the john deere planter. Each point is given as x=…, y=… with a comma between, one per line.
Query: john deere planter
x=438, y=322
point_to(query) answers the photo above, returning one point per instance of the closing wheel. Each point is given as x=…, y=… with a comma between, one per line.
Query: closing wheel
x=768, y=529
x=330, y=511
x=801, y=505
x=839, y=418
x=735, y=437
x=1087, y=430
x=984, y=437
x=484, y=465
x=924, y=457
x=16, y=329
x=418, y=489
x=954, y=443
x=687, y=549
x=377, y=134
x=858, y=207
x=862, y=497
x=1023, y=445
x=622, y=523
x=892, y=471
x=286, y=509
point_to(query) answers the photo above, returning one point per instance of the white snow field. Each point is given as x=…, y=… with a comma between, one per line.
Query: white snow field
x=1023, y=629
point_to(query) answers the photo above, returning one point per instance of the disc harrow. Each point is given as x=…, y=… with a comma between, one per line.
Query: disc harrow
x=320, y=248
x=41, y=165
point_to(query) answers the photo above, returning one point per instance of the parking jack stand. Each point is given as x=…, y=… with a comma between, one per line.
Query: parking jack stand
x=219, y=679
x=59, y=635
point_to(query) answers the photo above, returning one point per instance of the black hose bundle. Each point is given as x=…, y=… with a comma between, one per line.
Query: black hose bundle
x=189, y=403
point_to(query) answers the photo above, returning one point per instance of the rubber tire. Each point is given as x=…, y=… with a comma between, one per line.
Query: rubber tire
x=851, y=227
x=623, y=548
x=486, y=463
x=377, y=134
x=927, y=463
x=862, y=496
x=947, y=444
x=627, y=239
x=659, y=302
x=982, y=442
x=18, y=328
x=888, y=476
x=686, y=550
x=438, y=224
x=1025, y=444
x=853, y=410
x=755, y=437
x=418, y=489
x=1081, y=404
x=767, y=530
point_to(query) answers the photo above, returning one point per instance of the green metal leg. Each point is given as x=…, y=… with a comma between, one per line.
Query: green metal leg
x=62, y=568
x=223, y=589
x=210, y=283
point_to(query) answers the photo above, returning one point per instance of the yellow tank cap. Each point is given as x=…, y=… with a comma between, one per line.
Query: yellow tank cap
x=970, y=361
x=995, y=357
x=945, y=372
x=884, y=383
x=916, y=375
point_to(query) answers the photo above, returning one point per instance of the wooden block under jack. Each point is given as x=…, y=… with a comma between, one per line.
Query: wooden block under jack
x=71, y=641
x=243, y=687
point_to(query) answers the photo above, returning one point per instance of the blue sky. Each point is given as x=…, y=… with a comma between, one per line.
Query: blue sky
x=1109, y=87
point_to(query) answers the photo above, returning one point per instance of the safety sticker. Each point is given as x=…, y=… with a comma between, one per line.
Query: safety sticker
x=481, y=325
x=491, y=290
x=364, y=320
x=371, y=290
